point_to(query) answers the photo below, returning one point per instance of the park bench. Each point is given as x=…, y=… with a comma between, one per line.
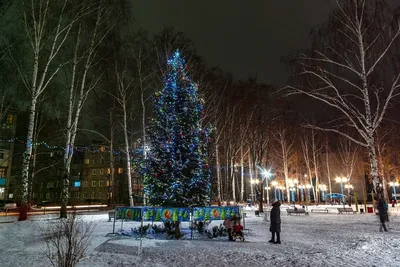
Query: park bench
x=111, y=215
x=320, y=210
x=346, y=210
x=296, y=211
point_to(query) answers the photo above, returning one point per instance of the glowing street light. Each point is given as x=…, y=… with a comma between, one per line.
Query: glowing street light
x=342, y=180
x=267, y=174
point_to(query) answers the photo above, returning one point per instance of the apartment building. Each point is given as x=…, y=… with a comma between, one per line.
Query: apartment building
x=7, y=136
x=91, y=180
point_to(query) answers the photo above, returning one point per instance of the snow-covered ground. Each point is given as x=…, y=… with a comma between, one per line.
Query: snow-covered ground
x=315, y=240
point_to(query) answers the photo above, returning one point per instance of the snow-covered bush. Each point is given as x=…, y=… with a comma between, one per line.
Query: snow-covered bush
x=67, y=240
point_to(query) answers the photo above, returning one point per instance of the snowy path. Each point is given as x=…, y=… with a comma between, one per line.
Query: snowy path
x=315, y=240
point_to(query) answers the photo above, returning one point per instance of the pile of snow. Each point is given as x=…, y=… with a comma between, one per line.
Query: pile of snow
x=318, y=239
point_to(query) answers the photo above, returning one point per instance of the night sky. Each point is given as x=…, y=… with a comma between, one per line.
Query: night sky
x=241, y=37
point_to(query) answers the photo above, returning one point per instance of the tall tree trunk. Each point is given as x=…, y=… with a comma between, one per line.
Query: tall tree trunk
x=128, y=157
x=328, y=173
x=218, y=173
x=23, y=214
x=232, y=167
x=251, y=178
x=241, y=175
x=374, y=165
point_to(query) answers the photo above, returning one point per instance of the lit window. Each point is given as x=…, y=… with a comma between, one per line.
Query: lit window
x=108, y=171
x=93, y=183
x=102, y=149
x=87, y=161
x=94, y=171
x=10, y=119
x=120, y=170
x=101, y=183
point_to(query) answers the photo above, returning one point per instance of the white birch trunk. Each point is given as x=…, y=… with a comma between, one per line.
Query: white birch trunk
x=232, y=167
x=26, y=160
x=328, y=173
x=218, y=172
x=128, y=155
x=241, y=175
x=251, y=178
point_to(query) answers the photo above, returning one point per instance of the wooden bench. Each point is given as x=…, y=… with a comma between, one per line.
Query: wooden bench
x=296, y=211
x=320, y=210
x=346, y=210
x=111, y=215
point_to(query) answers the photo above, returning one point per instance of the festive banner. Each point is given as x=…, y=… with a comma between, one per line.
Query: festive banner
x=160, y=214
x=214, y=213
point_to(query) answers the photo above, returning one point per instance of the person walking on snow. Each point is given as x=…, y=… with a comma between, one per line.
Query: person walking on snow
x=383, y=214
x=275, y=226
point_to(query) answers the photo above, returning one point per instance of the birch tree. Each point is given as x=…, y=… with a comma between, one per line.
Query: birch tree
x=285, y=141
x=47, y=27
x=351, y=69
x=83, y=79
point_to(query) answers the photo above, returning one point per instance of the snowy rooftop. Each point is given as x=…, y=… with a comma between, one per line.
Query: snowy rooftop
x=314, y=240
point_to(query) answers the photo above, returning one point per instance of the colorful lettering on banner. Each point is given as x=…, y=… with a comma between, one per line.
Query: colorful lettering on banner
x=214, y=213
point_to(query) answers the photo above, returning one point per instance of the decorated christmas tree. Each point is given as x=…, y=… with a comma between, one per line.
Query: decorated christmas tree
x=158, y=216
x=176, y=172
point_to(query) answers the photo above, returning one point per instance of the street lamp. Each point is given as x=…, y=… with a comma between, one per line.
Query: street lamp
x=342, y=180
x=322, y=187
x=253, y=182
x=267, y=175
x=394, y=184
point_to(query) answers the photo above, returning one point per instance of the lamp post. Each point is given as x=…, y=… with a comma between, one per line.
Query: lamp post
x=267, y=175
x=253, y=182
x=394, y=184
x=342, y=180
x=348, y=187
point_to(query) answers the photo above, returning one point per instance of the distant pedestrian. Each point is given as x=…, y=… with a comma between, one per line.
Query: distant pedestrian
x=275, y=226
x=383, y=214
x=228, y=223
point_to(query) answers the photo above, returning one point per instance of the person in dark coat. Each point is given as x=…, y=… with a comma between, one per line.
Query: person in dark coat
x=275, y=226
x=383, y=214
